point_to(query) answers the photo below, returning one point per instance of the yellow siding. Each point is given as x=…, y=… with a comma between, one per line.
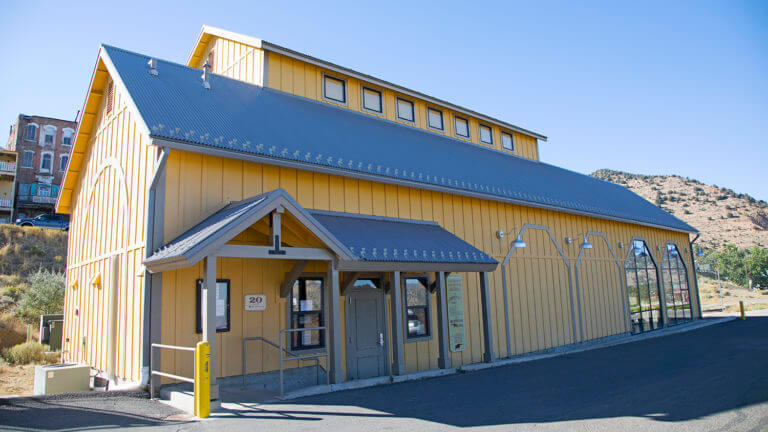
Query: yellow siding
x=108, y=218
x=539, y=297
x=235, y=60
x=303, y=79
x=245, y=63
x=6, y=189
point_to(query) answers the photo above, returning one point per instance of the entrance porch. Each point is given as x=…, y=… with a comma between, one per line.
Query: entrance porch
x=348, y=296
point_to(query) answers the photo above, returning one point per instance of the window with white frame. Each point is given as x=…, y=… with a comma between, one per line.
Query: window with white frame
x=486, y=135
x=46, y=162
x=334, y=89
x=27, y=159
x=462, y=126
x=49, y=135
x=405, y=110
x=66, y=136
x=435, y=118
x=63, y=160
x=372, y=100
x=31, y=133
x=507, y=143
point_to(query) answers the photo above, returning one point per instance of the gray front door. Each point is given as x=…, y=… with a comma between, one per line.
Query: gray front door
x=365, y=316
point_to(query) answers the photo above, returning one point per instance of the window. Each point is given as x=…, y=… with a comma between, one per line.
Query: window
x=28, y=158
x=334, y=89
x=462, y=126
x=46, y=162
x=222, y=305
x=66, y=136
x=24, y=189
x=31, y=134
x=372, y=100
x=417, y=307
x=44, y=190
x=63, y=159
x=49, y=134
x=306, y=311
x=642, y=288
x=674, y=276
x=486, y=135
x=435, y=118
x=507, y=143
x=405, y=110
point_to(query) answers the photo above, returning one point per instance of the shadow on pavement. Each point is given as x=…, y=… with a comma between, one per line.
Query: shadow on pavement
x=77, y=411
x=672, y=378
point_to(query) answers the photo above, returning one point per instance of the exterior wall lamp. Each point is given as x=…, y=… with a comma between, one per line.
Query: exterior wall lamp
x=518, y=243
x=585, y=245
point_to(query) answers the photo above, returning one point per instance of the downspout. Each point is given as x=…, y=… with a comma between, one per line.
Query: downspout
x=695, y=276
x=149, y=247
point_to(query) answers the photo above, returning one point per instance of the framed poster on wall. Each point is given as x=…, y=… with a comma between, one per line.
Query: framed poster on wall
x=455, y=302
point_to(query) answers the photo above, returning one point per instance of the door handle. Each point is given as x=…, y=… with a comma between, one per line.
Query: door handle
x=381, y=339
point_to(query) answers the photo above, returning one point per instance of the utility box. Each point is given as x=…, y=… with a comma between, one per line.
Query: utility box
x=55, y=334
x=62, y=378
x=45, y=330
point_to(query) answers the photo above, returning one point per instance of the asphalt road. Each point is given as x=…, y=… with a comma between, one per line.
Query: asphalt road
x=710, y=379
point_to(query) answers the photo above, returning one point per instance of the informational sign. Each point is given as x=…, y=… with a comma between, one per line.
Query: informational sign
x=255, y=302
x=455, y=312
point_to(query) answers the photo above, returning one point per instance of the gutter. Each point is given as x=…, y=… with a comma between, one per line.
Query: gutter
x=149, y=246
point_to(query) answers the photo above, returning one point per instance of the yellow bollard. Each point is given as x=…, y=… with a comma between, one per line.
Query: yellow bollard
x=741, y=306
x=202, y=380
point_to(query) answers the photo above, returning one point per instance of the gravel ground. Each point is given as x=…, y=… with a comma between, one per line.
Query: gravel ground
x=74, y=411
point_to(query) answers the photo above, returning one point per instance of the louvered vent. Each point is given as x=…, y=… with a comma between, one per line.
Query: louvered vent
x=110, y=96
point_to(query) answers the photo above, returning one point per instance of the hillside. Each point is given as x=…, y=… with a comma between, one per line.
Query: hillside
x=722, y=215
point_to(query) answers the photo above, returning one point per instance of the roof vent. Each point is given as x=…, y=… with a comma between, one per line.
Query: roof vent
x=152, y=66
x=206, y=75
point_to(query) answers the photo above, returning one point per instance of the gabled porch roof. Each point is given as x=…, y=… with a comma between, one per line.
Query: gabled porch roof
x=357, y=242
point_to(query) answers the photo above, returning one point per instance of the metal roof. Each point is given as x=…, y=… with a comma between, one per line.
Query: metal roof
x=374, y=238
x=353, y=237
x=239, y=120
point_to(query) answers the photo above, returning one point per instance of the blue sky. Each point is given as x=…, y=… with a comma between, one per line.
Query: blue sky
x=646, y=87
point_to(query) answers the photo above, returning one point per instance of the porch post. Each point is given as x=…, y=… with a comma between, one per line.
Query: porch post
x=444, y=359
x=398, y=361
x=333, y=325
x=485, y=300
x=209, y=317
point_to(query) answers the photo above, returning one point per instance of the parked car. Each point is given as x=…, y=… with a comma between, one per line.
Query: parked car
x=46, y=221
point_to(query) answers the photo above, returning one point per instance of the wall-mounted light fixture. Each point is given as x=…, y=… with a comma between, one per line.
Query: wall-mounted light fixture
x=585, y=245
x=621, y=245
x=518, y=243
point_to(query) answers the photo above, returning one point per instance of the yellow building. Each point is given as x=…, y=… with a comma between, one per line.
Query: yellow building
x=7, y=184
x=258, y=197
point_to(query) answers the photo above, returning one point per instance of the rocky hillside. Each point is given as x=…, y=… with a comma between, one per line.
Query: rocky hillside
x=722, y=215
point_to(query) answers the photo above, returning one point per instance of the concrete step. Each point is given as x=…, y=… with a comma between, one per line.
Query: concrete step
x=182, y=396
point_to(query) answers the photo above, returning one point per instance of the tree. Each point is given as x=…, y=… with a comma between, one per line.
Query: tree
x=756, y=262
x=45, y=295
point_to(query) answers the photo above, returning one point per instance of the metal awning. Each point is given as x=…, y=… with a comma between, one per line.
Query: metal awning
x=357, y=242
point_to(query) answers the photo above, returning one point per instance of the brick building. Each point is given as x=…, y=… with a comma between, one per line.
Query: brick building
x=43, y=145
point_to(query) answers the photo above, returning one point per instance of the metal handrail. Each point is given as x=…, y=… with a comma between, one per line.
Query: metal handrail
x=309, y=356
x=291, y=353
x=166, y=374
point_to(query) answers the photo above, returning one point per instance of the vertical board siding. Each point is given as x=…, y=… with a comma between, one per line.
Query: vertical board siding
x=108, y=219
x=539, y=297
x=245, y=63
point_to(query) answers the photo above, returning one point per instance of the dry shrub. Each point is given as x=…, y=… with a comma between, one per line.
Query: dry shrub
x=12, y=331
x=25, y=250
x=29, y=352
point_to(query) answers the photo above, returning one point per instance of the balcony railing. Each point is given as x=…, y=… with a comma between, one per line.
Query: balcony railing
x=37, y=199
x=5, y=203
x=7, y=166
